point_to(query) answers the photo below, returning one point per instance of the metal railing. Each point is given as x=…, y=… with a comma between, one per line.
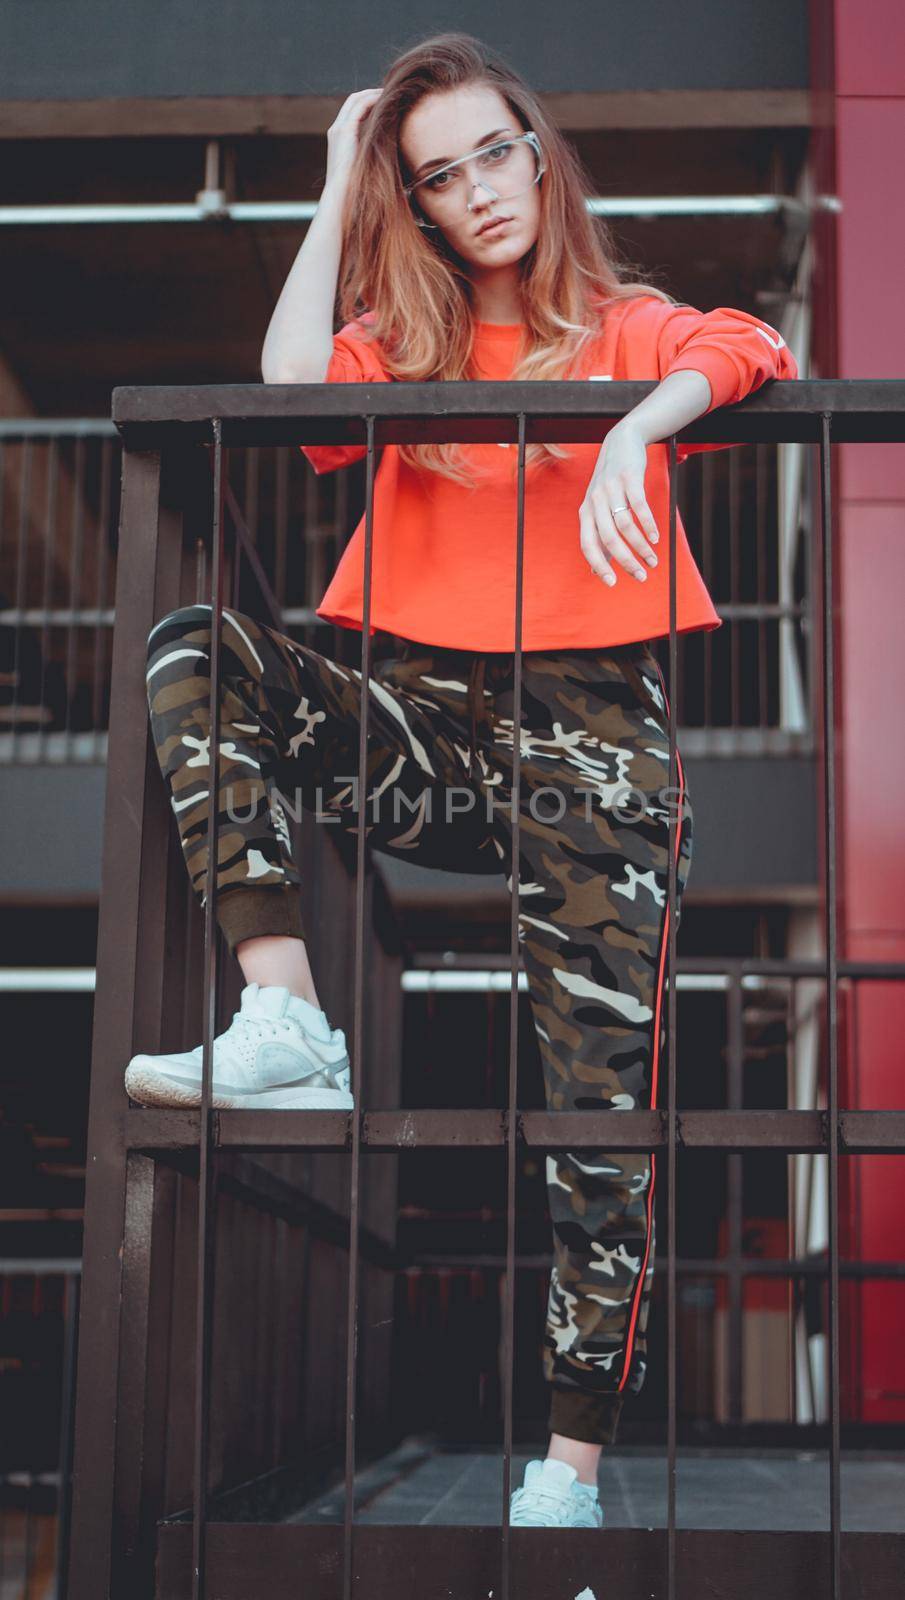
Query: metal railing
x=176, y=444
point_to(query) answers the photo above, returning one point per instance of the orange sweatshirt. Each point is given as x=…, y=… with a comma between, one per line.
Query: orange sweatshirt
x=444, y=555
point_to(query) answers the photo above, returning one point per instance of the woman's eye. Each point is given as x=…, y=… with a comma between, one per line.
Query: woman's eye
x=493, y=155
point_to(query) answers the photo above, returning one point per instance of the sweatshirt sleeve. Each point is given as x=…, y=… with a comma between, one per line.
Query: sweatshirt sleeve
x=353, y=361
x=736, y=352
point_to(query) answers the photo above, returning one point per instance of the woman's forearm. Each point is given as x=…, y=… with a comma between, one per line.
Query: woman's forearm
x=678, y=399
x=616, y=487
x=299, y=340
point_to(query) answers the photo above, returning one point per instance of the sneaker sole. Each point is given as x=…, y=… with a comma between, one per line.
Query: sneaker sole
x=517, y=1523
x=152, y=1088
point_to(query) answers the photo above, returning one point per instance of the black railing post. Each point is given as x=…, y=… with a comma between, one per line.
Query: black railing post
x=508, y=1350
x=675, y=824
x=734, y=1199
x=127, y=1015
x=832, y=990
x=357, y=1073
x=207, y=1155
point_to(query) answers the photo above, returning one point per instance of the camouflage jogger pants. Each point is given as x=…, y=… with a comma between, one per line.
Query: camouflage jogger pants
x=594, y=810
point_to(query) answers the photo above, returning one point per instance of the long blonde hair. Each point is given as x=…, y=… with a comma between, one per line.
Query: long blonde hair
x=417, y=298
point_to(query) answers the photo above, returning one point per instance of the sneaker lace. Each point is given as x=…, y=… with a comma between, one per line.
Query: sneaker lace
x=258, y=1025
x=547, y=1500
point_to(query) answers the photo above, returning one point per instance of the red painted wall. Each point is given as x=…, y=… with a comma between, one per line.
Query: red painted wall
x=860, y=333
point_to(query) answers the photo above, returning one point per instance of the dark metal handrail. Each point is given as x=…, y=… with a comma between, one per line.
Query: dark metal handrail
x=868, y=410
x=162, y=426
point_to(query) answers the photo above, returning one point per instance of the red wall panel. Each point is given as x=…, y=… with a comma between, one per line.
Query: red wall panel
x=867, y=93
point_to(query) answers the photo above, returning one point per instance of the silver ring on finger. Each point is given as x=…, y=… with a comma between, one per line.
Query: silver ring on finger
x=618, y=508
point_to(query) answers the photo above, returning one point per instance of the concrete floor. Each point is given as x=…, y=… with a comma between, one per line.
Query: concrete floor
x=775, y=1490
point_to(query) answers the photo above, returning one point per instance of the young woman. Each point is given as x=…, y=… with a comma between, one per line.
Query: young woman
x=453, y=220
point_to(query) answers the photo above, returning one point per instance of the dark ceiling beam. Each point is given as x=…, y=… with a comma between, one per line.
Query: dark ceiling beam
x=289, y=116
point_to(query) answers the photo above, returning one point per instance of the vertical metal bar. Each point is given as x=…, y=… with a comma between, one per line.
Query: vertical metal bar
x=490, y=1004
x=100, y=650
x=21, y=578
x=794, y=1186
x=277, y=1404
x=206, y=1153
x=707, y=559
x=140, y=1255
x=734, y=594
x=3, y=465
x=236, y=574
x=281, y=519
x=671, y=1076
x=50, y=529
x=357, y=1074
x=314, y=576
x=251, y=497
x=761, y=584
x=27, y=1593
x=832, y=980
x=200, y=571
x=734, y=1192
x=136, y=812
x=251, y=458
x=75, y=570
x=810, y=1184
x=511, y=1115
x=342, y=493
x=813, y=584
x=67, y=1410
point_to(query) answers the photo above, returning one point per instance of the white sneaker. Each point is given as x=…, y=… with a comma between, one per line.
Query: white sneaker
x=552, y=1497
x=279, y=1052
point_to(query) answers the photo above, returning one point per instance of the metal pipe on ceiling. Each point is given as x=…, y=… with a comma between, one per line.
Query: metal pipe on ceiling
x=212, y=206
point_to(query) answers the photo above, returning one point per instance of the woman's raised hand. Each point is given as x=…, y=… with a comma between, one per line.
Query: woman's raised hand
x=615, y=504
x=343, y=134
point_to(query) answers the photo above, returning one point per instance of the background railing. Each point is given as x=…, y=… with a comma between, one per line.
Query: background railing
x=38, y=1321
x=141, y=1218
x=745, y=689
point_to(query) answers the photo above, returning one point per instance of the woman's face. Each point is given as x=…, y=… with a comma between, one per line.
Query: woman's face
x=448, y=124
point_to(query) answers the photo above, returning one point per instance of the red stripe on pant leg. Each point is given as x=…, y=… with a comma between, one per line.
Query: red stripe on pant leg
x=655, y=1067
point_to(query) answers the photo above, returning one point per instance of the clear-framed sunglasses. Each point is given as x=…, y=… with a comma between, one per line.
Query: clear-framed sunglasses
x=508, y=167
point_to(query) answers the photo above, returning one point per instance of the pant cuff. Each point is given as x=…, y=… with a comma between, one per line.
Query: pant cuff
x=249, y=913
x=578, y=1414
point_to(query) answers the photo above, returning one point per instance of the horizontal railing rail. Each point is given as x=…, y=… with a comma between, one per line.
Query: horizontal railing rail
x=863, y=410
